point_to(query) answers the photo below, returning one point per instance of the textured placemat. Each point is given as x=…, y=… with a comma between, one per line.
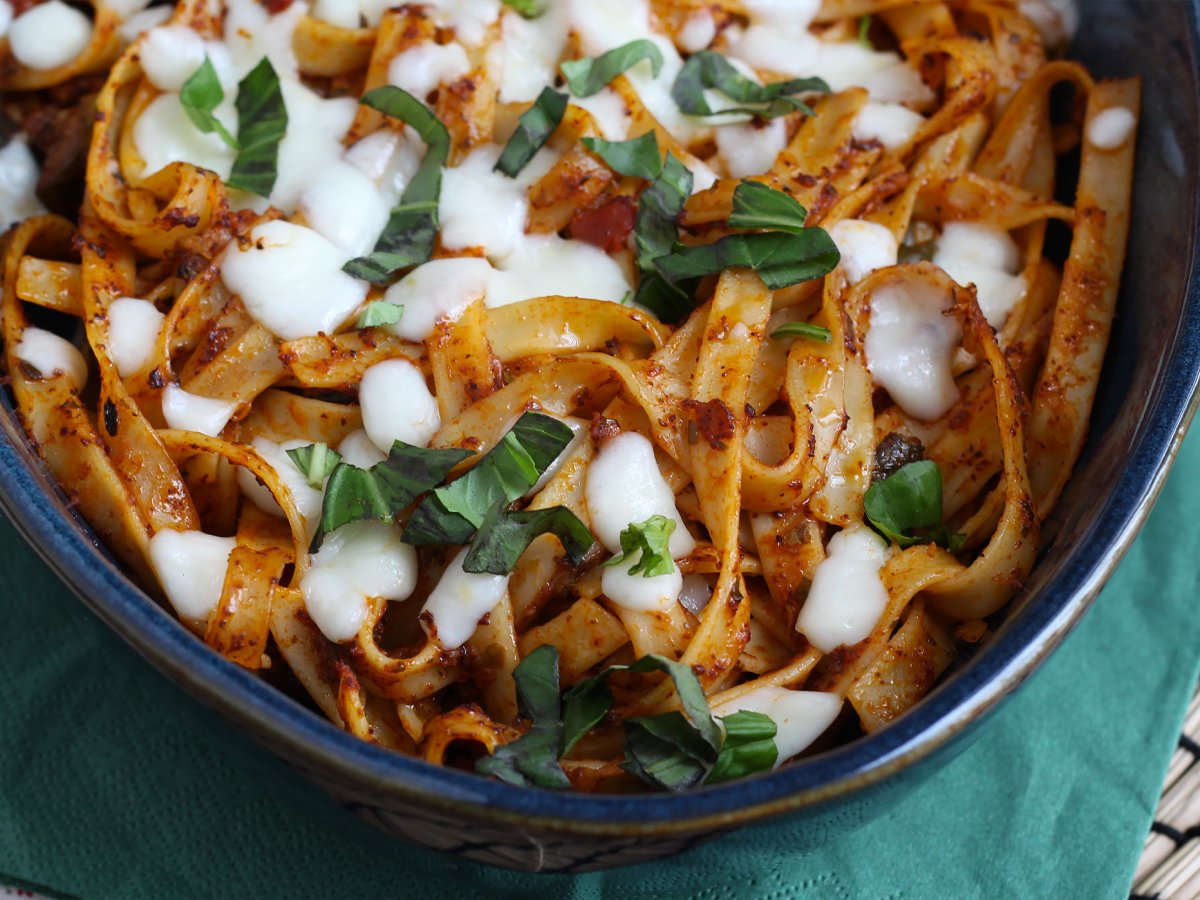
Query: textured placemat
x=1170, y=862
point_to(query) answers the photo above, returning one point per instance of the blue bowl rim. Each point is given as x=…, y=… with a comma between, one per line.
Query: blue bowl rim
x=26, y=495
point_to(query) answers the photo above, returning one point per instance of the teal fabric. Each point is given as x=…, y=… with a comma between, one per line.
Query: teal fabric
x=115, y=784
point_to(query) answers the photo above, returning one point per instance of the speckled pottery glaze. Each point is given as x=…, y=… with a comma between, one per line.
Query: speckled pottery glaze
x=1147, y=398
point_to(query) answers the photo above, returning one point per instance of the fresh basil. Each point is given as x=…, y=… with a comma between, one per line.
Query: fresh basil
x=864, y=33
x=262, y=123
x=534, y=128
x=638, y=157
x=758, y=206
x=650, y=542
x=589, y=76
x=532, y=759
x=378, y=313
x=527, y=9
x=411, y=230
x=504, y=535
x=907, y=507
x=656, y=228
x=316, y=462
x=710, y=70
x=666, y=752
x=452, y=514
x=780, y=259
x=749, y=746
x=669, y=302
x=382, y=491
x=199, y=96
x=802, y=330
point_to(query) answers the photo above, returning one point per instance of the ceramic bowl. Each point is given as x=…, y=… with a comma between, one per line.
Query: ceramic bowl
x=1146, y=399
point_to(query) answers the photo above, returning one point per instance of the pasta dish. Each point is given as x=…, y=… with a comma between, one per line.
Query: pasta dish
x=594, y=394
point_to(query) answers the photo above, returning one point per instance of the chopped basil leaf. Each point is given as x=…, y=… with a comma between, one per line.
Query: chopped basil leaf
x=590, y=76
x=379, y=312
x=649, y=540
x=804, y=330
x=665, y=751
x=907, y=507
x=504, y=535
x=451, y=514
x=199, y=96
x=668, y=301
x=409, y=235
x=708, y=69
x=528, y=9
x=532, y=759
x=780, y=259
x=533, y=130
x=756, y=205
x=316, y=461
x=749, y=746
x=638, y=157
x=864, y=33
x=584, y=706
x=380, y=492
x=656, y=229
x=262, y=123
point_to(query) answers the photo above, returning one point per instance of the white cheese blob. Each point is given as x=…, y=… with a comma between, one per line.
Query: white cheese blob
x=800, y=716
x=345, y=207
x=609, y=111
x=191, y=569
x=1111, y=128
x=163, y=134
x=52, y=355
x=698, y=31
x=171, y=55
x=470, y=19
x=397, y=405
x=910, y=346
x=133, y=328
x=547, y=265
x=140, y=22
x=638, y=593
x=6, y=16
x=304, y=495
x=342, y=13
x=313, y=141
x=356, y=562
x=356, y=449
x=528, y=53
x=460, y=600
x=420, y=69
x=439, y=289
x=18, y=184
x=891, y=124
x=1057, y=20
x=192, y=412
x=847, y=596
x=987, y=257
x=751, y=149
x=251, y=33
x=49, y=35
x=291, y=280
x=865, y=246
x=624, y=486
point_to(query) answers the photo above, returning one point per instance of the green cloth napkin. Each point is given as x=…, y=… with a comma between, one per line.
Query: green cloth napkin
x=113, y=783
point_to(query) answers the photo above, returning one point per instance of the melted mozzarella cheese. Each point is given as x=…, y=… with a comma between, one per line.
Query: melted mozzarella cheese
x=52, y=355
x=439, y=289
x=847, y=596
x=356, y=449
x=191, y=569
x=698, y=31
x=528, y=53
x=191, y=412
x=891, y=124
x=609, y=111
x=172, y=54
x=910, y=346
x=800, y=716
x=420, y=69
x=864, y=246
x=313, y=141
x=546, y=265
x=973, y=253
x=251, y=33
x=397, y=405
x=18, y=184
x=460, y=600
x=1057, y=20
x=638, y=593
x=140, y=22
x=345, y=207
x=133, y=327
x=164, y=134
x=304, y=495
x=49, y=35
x=291, y=280
x=751, y=149
x=1111, y=128
x=355, y=563
x=6, y=16
x=470, y=19
x=624, y=486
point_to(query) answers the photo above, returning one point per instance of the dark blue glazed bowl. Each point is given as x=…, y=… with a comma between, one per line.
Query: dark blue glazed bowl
x=1147, y=398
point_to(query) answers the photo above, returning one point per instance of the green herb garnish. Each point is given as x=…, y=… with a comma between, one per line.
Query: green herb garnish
x=637, y=157
x=504, y=535
x=527, y=9
x=533, y=130
x=649, y=541
x=316, y=462
x=780, y=259
x=589, y=76
x=378, y=313
x=802, y=330
x=262, y=123
x=710, y=70
x=864, y=33
x=199, y=96
x=757, y=206
x=906, y=508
